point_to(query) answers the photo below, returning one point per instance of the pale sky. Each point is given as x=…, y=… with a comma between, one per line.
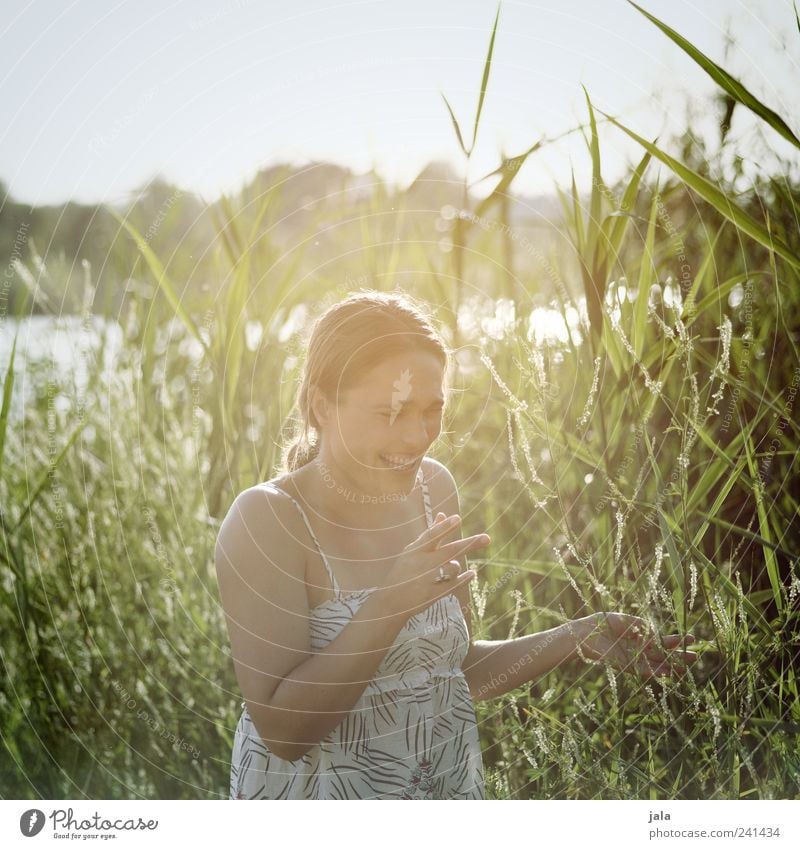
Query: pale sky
x=99, y=96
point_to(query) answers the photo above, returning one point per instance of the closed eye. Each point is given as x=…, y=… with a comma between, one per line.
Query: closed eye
x=430, y=412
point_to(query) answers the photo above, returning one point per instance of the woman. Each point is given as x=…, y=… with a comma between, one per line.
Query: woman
x=344, y=582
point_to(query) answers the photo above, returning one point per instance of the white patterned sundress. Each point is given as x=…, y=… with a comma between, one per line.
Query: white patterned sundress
x=411, y=735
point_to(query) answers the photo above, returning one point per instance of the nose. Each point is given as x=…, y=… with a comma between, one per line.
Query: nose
x=416, y=434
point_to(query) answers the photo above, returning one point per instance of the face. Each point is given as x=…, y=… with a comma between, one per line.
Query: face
x=392, y=416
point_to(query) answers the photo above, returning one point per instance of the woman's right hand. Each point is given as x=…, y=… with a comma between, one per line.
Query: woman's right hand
x=410, y=584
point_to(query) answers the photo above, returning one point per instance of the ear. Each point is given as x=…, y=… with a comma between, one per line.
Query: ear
x=319, y=406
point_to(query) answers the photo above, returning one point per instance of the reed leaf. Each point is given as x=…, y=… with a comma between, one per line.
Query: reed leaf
x=162, y=279
x=762, y=595
x=595, y=198
x=485, y=81
x=44, y=479
x=715, y=472
x=674, y=570
x=717, y=198
x=611, y=345
x=690, y=310
x=769, y=554
x=228, y=228
x=509, y=170
x=455, y=126
x=620, y=219
x=646, y=277
x=8, y=386
x=724, y=288
x=723, y=79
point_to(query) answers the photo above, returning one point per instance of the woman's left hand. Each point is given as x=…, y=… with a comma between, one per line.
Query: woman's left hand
x=619, y=639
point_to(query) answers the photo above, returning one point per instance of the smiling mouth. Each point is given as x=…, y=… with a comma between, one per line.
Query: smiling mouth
x=395, y=462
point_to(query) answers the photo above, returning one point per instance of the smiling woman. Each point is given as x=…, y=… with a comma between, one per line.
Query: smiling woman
x=338, y=583
x=344, y=582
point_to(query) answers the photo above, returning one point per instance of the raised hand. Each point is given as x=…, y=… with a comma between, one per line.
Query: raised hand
x=412, y=578
x=620, y=639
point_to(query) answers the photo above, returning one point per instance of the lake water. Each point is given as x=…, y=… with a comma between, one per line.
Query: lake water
x=69, y=343
x=66, y=343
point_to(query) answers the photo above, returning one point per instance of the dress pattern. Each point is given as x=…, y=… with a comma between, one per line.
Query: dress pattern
x=411, y=735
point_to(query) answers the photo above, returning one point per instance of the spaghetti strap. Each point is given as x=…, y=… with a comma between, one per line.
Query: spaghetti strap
x=425, y=497
x=334, y=582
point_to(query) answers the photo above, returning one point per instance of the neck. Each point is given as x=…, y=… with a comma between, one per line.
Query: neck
x=349, y=495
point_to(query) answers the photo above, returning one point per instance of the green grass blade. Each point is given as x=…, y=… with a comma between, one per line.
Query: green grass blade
x=455, y=126
x=769, y=553
x=45, y=479
x=485, y=81
x=727, y=584
x=674, y=569
x=577, y=219
x=162, y=279
x=761, y=595
x=689, y=311
x=514, y=160
x=622, y=218
x=509, y=170
x=613, y=347
x=231, y=227
x=234, y=330
x=718, y=199
x=262, y=211
x=8, y=386
x=595, y=202
x=724, y=288
x=714, y=472
x=723, y=79
x=646, y=272
x=231, y=249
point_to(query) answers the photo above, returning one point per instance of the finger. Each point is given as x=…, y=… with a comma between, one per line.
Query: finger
x=673, y=639
x=427, y=539
x=624, y=624
x=668, y=643
x=673, y=663
x=684, y=656
x=652, y=667
x=452, y=570
x=454, y=549
x=465, y=577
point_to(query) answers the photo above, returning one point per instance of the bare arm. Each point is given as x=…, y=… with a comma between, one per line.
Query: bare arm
x=295, y=697
x=494, y=667
x=330, y=682
x=498, y=666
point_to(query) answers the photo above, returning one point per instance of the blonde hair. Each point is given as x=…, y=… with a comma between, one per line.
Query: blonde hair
x=341, y=351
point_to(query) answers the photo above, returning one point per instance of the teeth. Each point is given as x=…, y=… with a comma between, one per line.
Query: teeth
x=397, y=460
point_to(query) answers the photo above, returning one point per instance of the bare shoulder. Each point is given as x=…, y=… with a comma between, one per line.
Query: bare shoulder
x=260, y=562
x=258, y=515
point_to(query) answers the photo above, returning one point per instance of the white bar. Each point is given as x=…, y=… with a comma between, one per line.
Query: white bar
x=227, y=824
